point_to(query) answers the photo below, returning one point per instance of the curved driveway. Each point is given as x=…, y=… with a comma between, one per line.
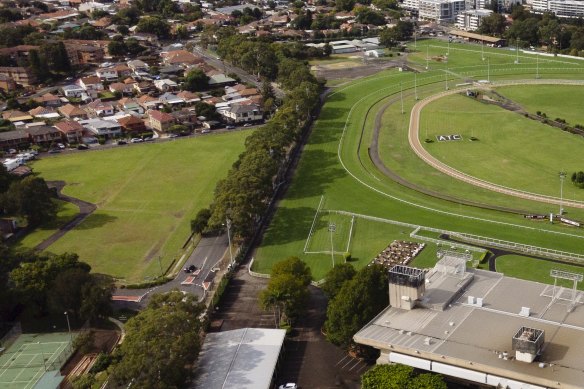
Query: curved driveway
x=416, y=145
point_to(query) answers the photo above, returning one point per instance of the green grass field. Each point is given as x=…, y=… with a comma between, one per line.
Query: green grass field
x=335, y=163
x=533, y=269
x=512, y=150
x=66, y=211
x=146, y=196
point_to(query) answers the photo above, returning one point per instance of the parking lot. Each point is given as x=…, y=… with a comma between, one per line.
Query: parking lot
x=308, y=358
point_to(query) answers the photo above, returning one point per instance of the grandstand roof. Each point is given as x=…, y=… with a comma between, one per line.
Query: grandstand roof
x=476, y=37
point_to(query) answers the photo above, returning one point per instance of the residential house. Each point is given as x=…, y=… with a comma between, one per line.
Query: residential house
x=170, y=71
x=91, y=83
x=74, y=91
x=70, y=130
x=20, y=75
x=220, y=79
x=148, y=102
x=186, y=117
x=99, y=108
x=16, y=116
x=84, y=52
x=44, y=135
x=160, y=121
x=188, y=97
x=13, y=139
x=101, y=127
x=143, y=87
x=17, y=53
x=138, y=66
x=128, y=104
x=180, y=57
x=165, y=85
x=7, y=83
x=48, y=100
x=120, y=87
x=240, y=113
x=71, y=111
x=131, y=124
x=44, y=113
x=107, y=74
x=171, y=99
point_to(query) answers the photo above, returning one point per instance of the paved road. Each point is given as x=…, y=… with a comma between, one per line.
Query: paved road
x=227, y=68
x=416, y=145
x=205, y=257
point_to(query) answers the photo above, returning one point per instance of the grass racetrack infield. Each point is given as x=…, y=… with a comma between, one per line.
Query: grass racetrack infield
x=512, y=151
x=25, y=362
x=335, y=163
x=146, y=196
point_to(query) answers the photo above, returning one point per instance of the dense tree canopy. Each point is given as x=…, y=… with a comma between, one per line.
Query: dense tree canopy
x=154, y=25
x=196, y=81
x=160, y=344
x=336, y=278
x=30, y=198
x=402, y=31
x=356, y=303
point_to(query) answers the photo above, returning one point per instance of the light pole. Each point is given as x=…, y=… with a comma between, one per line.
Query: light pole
x=427, y=56
x=489, y=69
x=415, y=40
x=332, y=228
x=43, y=354
x=517, y=51
x=537, y=66
x=416, y=85
x=482, y=49
x=68, y=324
x=228, y=222
x=562, y=176
x=446, y=79
x=401, y=96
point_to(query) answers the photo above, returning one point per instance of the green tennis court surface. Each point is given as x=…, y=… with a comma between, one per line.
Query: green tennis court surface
x=23, y=364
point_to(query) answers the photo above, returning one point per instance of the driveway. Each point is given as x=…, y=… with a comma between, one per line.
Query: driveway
x=206, y=256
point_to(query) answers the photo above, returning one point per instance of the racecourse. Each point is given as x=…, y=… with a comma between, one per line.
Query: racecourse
x=336, y=164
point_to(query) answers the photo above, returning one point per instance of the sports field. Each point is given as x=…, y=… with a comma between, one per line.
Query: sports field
x=23, y=364
x=146, y=196
x=511, y=150
x=335, y=163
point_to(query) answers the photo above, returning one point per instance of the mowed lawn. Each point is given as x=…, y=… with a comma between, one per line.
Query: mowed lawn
x=534, y=269
x=146, y=196
x=512, y=150
x=556, y=101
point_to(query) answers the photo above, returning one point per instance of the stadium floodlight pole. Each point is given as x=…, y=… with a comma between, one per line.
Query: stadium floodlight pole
x=401, y=96
x=68, y=324
x=562, y=176
x=483, y=49
x=332, y=228
x=416, y=85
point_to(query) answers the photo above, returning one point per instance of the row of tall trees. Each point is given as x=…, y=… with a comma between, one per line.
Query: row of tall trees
x=243, y=196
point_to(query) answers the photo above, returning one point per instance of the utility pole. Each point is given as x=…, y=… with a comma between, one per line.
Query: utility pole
x=228, y=222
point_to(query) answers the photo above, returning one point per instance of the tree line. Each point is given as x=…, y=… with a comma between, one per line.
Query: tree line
x=244, y=195
x=558, y=34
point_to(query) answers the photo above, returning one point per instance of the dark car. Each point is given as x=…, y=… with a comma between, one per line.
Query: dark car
x=122, y=142
x=82, y=146
x=54, y=151
x=190, y=269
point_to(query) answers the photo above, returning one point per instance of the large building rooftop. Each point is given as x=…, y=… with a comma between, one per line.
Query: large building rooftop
x=472, y=338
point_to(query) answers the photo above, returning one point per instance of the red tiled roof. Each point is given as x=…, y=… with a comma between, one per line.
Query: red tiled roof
x=69, y=126
x=160, y=116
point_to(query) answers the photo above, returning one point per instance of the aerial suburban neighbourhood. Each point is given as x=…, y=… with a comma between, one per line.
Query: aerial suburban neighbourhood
x=292, y=194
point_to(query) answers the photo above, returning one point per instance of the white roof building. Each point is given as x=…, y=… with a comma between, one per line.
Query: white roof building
x=242, y=359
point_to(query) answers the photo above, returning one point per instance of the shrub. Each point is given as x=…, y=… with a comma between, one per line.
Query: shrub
x=347, y=256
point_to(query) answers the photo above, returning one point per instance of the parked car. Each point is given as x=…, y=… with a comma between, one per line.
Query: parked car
x=247, y=125
x=230, y=127
x=289, y=385
x=205, y=131
x=54, y=151
x=61, y=146
x=136, y=140
x=82, y=146
x=190, y=269
x=122, y=142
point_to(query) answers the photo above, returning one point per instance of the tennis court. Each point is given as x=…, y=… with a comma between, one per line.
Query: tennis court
x=23, y=364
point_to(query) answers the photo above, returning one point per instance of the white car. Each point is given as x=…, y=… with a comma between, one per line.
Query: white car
x=136, y=140
x=289, y=385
